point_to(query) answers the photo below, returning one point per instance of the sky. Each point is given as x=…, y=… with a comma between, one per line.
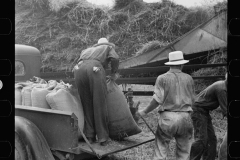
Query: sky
x=186, y=3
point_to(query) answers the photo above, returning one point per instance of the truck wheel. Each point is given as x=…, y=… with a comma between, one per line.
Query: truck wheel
x=20, y=149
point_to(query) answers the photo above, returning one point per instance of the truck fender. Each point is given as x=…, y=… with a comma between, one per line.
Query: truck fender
x=30, y=143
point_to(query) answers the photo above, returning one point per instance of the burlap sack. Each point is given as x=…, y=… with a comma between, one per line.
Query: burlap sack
x=121, y=122
x=26, y=96
x=38, y=96
x=63, y=99
x=18, y=94
x=27, y=90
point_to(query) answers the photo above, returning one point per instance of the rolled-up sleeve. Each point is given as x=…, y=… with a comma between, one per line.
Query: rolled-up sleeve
x=159, y=91
x=114, y=58
x=112, y=53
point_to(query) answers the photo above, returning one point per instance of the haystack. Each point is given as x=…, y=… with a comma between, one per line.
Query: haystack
x=62, y=29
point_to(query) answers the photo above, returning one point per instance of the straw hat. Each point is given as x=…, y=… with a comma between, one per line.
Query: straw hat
x=102, y=40
x=176, y=58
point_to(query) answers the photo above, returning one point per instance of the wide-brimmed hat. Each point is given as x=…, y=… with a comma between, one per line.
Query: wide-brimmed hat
x=176, y=58
x=102, y=40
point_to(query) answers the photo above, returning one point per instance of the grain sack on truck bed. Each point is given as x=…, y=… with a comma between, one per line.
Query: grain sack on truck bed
x=18, y=94
x=121, y=122
x=65, y=100
x=27, y=90
x=26, y=96
x=39, y=93
x=22, y=97
x=38, y=96
x=22, y=90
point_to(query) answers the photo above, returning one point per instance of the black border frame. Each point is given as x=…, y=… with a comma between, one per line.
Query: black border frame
x=7, y=40
x=233, y=82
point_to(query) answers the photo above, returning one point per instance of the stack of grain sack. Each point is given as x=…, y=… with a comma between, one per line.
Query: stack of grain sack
x=62, y=96
x=50, y=95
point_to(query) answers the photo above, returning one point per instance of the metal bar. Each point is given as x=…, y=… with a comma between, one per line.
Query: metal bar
x=151, y=80
x=129, y=71
x=90, y=146
x=147, y=125
x=140, y=80
x=208, y=77
x=144, y=119
x=162, y=69
x=141, y=93
x=197, y=66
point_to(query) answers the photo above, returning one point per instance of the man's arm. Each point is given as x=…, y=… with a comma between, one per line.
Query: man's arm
x=114, y=59
x=152, y=105
x=157, y=97
x=222, y=100
x=114, y=65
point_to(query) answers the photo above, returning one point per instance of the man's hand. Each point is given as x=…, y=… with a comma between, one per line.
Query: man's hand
x=114, y=76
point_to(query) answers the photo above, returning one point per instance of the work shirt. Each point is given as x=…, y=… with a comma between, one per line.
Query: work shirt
x=212, y=97
x=101, y=52
x=174, y=91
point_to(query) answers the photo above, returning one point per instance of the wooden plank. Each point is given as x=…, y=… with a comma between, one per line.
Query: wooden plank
x=117, y=146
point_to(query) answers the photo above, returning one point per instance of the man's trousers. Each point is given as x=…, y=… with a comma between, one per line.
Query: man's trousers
x=205, y=144
x=92, y=88
x=176, y=125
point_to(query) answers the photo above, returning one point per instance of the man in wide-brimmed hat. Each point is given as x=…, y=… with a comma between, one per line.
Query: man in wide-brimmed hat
x=90, y=79
x=174, y=96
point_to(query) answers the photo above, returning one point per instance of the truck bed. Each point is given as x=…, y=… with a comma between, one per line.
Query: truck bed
x=60, y=131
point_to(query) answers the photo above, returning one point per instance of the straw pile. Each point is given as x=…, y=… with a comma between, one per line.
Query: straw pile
x=62, y=29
